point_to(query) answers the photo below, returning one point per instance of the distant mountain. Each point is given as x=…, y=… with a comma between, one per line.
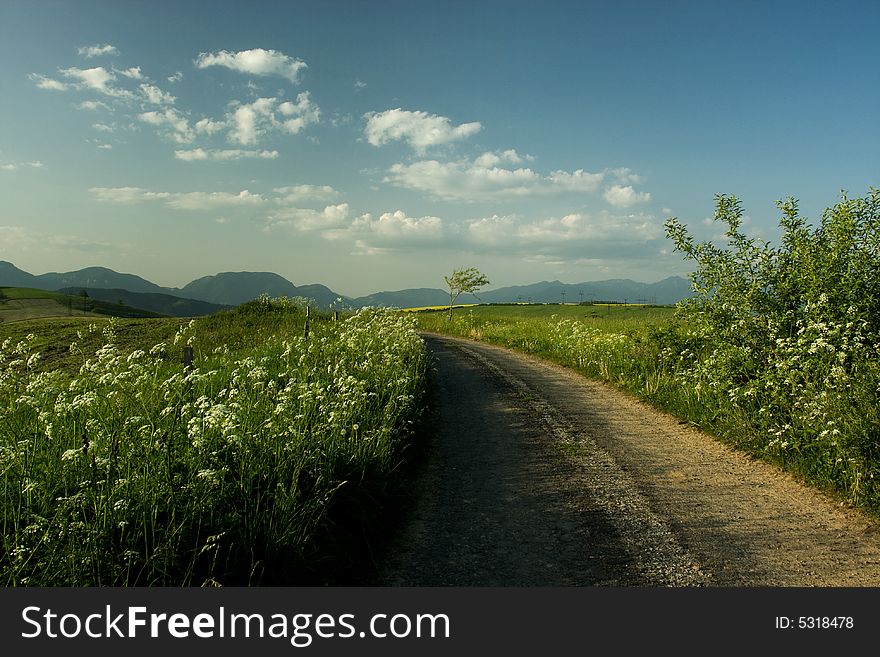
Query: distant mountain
x=224, y=289
x=163, y=304
x=415, y=298
x=12, y=276
x=322, y=295
x=667, y=291
x=234, y=288
x=99, y=277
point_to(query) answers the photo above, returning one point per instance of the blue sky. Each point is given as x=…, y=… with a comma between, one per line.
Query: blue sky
x=379, y=145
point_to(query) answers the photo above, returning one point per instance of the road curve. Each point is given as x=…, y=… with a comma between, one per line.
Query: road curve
x=536, y=476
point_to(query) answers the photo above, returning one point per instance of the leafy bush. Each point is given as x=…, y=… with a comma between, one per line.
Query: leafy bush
x=789, y=336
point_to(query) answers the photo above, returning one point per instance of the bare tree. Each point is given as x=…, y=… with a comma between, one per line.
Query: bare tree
x=464, y=281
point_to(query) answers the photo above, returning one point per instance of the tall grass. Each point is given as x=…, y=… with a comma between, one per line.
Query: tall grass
x=257, y=466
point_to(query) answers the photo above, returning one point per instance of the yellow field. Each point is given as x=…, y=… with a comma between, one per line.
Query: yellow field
x=443, y=307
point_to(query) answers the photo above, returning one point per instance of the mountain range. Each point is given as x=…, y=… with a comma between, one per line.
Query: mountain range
x=211, y=293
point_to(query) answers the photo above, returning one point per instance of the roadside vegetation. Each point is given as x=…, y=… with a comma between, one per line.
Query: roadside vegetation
x=776, y=352
x=265, y=463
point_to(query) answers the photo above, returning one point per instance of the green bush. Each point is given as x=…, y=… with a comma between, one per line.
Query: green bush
x=789, y=336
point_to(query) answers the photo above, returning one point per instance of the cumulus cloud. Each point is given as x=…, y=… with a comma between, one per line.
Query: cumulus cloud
x=485, y=178
x=209, y=126
x=396, y=227
x=177, y=200
x=300, y=114
x=256, y=62
x=98, y=50
x=48, y=83
x=199, y=154
x=308, y=220
x=134, y=73
x=621, y=196
x=249, y=122
x=252, y=120
x=419, y=129
x=156, y=96
x=93, y=105
x=175, y=124
x=97, y=79
x=299, y=193
x=572, y=234
x=176, y=77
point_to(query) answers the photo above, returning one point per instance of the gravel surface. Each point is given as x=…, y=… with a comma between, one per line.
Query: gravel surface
x=536, y=476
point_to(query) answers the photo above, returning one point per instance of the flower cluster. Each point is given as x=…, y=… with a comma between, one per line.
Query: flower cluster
x=138, y=471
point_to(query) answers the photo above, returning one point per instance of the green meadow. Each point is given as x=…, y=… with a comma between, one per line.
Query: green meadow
x=267, y=462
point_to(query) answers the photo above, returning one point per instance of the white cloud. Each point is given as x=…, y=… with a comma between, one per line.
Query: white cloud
x=302, y=113
x=256, y=62
x=97, y=79
x=102, y=127
x=208, y=200
x=359, y=84
x=48, y=83
x=93, y=105
x=209, y=126
x=96, y=51
x=492, y=159
x=395, y=227
x=175, y=123
x=578, y=181
x=106, y=147
x=176, y=77
x=308, y=220
x=483, y=178
x=298, y=193
x=419, y=129
x=198, y=154
x=625, y=196
x=134, y=73
x=156, y=96
x=390, y=230
x=12, y=166
x=572, y=234
x=249, y=122
x=177, y=200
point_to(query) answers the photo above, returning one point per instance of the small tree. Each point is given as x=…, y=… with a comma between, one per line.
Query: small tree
x=464, y=280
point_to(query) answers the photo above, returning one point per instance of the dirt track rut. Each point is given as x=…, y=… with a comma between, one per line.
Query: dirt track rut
x=537, y=476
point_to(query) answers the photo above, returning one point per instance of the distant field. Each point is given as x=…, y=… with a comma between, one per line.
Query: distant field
x=16, y=310
x=19, y=304
x=605, y=314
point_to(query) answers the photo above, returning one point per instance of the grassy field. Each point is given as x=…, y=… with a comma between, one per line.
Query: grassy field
x=655, y=354
x=268, y=462
x=22, y=304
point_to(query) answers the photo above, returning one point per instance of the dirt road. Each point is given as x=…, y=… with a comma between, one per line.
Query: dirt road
x=537, y=476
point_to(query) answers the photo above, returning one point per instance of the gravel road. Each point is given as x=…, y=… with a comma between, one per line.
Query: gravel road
x=536, y=476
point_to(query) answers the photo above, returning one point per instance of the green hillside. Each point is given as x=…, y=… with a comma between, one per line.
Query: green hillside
x=19, y=303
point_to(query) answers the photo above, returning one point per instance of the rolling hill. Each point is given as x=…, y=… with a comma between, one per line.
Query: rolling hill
x=163, y=304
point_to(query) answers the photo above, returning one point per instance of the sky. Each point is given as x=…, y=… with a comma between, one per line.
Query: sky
x=376, y=146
